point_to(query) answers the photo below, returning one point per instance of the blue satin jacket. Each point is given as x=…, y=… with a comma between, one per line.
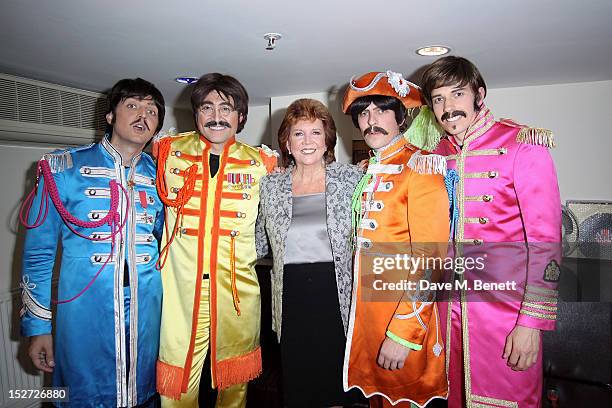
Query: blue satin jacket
x=106, y=341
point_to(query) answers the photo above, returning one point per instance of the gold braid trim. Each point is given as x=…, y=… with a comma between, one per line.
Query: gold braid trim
x=538, y=315
x=540, y=306
x=477, y=401
x=539, y=289
x=538, y=298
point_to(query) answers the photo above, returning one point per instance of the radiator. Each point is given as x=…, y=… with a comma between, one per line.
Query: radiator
x=16, y=372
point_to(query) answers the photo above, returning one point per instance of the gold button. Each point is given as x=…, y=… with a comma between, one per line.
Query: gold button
x=246, y=196
x=175, y=189
x=503, y=150
x=176, y=171
x=234, y=233
x=483, y=220
x=487, y=198
x=492, y=174
x=177, y=153
x=477, y=241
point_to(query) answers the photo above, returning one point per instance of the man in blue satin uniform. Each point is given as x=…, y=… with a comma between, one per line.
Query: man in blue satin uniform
x=107, y=317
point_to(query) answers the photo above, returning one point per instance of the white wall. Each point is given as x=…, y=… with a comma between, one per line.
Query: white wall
x=332, y=99
x=257, y=128
x=579, y=115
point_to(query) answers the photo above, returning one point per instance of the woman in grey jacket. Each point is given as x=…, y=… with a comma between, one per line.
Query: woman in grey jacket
x=306, y=212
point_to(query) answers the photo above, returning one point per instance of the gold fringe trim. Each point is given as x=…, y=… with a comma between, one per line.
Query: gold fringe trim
x=536, y=136
x=239, y=370
x=169, y=380
x=427, y=163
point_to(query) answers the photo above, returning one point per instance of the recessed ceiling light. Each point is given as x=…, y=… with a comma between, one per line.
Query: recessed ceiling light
x=186, y=80
x=433, y=50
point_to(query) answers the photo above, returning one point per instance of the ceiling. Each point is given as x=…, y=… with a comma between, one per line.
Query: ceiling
x=91, y=45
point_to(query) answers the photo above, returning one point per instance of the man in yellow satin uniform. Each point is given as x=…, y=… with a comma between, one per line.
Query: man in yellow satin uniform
x=210, y=185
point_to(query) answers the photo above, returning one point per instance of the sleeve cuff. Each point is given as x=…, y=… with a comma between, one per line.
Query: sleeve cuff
x=403, y=342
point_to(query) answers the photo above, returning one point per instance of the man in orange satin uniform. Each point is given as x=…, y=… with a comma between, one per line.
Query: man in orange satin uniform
x=394, y=352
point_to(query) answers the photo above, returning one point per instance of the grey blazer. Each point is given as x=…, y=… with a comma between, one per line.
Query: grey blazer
x=276, y=203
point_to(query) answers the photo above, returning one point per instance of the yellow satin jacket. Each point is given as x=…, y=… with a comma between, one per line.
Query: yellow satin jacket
x=209, y=230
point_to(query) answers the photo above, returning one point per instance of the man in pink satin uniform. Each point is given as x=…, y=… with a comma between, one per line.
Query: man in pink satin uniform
x=506, y=200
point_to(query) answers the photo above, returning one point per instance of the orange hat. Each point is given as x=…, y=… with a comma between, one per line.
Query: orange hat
x=387, y=83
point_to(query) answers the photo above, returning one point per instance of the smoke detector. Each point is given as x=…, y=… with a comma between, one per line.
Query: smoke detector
x=272, y=38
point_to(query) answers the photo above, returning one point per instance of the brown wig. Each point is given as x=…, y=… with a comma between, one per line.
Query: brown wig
x=449, y=71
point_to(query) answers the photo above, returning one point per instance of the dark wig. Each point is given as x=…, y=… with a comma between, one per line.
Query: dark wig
x=227, y=86
x=135, y=88
x=383, y=102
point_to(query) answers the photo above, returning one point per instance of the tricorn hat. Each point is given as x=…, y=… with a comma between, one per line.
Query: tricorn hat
x=387, y=83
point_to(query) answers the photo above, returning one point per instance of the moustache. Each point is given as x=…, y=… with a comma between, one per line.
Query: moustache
x=142, y=121
x=373, y=129
x=219, y=123
x=447, y=115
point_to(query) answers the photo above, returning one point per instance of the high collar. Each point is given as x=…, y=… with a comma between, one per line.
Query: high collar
x=481, y=124
x=396, y=145
x=114, y=153
x=228, y=143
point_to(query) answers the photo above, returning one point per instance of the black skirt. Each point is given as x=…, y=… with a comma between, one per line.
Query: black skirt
x=312, y=338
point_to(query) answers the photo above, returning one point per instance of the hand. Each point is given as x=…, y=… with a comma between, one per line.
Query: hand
x=522, y=346
x=392, y=355
x=41, y=352
x=363, y=165
x=281, y=170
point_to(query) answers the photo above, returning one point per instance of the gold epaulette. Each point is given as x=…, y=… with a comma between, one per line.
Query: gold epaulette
x=427, y=163
x=531, y=135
